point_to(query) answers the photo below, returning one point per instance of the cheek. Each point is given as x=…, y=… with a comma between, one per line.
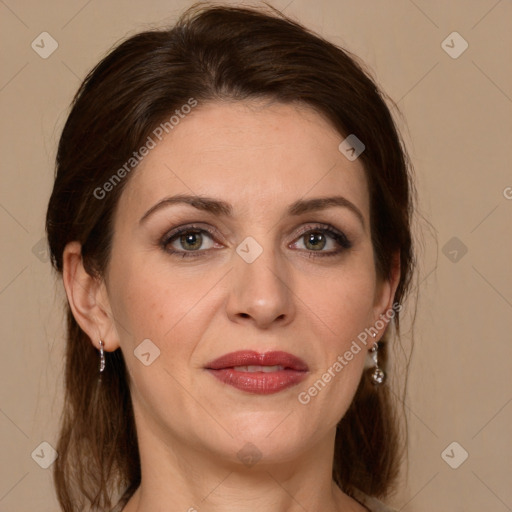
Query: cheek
x=167, y=310
x=344, y=301
x=342, y=311
x=151, y=302
x=341, y=308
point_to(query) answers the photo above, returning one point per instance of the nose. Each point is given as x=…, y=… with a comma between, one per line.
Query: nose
x=261, y=291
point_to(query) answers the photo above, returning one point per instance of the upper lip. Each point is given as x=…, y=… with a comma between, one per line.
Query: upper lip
x=253, y=358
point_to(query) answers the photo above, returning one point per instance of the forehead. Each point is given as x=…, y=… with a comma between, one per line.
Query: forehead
x=250, y=154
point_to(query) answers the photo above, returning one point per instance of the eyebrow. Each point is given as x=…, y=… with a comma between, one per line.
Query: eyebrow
x=221, y=208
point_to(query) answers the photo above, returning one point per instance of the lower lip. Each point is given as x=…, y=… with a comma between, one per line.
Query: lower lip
x=261, y=383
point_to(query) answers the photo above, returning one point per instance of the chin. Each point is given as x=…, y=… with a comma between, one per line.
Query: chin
x=271, y=439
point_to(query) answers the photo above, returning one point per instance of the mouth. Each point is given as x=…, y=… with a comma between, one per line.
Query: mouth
x=255, y=368
x=257, y=373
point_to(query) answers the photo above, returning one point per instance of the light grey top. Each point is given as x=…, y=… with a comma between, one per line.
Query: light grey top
x=371, y=503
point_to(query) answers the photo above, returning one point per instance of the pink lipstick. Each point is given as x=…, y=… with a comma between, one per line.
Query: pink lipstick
x=257, y=373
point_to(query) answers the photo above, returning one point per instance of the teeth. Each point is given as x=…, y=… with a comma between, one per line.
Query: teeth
x=255, y=368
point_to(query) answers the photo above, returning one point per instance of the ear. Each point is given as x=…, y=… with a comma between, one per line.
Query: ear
x=88, y=299
x=385, y=297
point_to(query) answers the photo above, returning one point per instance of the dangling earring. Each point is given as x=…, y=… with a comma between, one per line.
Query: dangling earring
x=378, y=374
x=102, y=357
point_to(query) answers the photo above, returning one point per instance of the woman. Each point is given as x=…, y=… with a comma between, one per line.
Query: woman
x=231, y=219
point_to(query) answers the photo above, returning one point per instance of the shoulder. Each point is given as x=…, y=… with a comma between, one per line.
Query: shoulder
x=371, y=503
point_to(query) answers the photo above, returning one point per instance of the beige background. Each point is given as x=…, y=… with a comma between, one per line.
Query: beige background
x=459, y=129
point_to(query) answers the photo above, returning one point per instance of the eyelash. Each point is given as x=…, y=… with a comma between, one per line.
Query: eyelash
x=325, y=229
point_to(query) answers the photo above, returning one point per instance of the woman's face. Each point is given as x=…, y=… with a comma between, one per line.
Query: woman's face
x=259, y=273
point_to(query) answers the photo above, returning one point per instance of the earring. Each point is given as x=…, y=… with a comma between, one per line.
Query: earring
x=378, y=374
x=102, y=357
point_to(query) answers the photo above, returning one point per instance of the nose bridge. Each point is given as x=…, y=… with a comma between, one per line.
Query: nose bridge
x=260, y=283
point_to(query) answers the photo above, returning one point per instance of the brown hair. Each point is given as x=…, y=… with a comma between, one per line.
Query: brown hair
x=212, y=53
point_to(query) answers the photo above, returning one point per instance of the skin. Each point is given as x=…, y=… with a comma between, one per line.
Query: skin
x=260, y=158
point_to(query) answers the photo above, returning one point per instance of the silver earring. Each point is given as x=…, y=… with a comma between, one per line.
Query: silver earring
x=102, y=357
x=378, y=374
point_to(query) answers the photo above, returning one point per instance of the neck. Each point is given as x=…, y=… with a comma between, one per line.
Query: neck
x=183, y=478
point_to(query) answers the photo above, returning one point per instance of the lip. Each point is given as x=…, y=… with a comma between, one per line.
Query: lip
x=253, y=358
x=294, y=371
